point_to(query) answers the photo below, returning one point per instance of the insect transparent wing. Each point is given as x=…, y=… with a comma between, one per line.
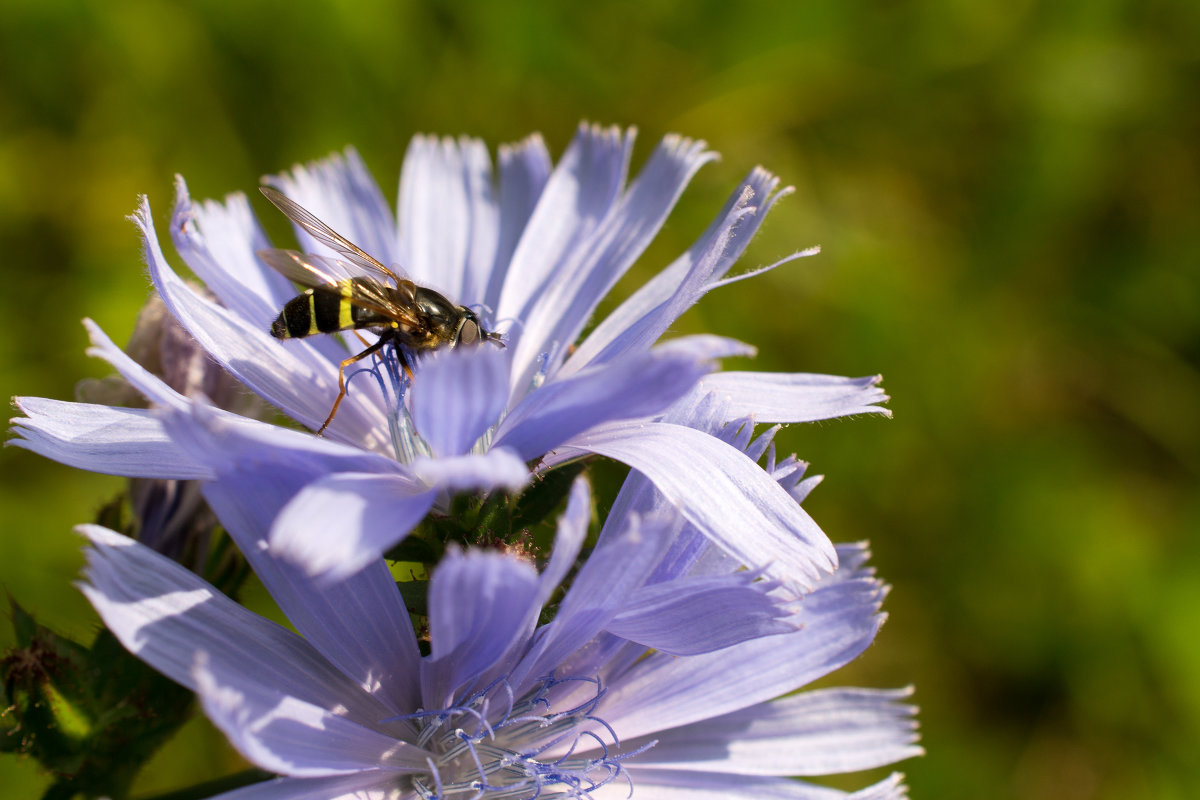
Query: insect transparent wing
x=327, y=235
x=308, y=269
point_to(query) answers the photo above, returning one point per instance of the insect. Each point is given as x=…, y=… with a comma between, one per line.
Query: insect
x=359, y=293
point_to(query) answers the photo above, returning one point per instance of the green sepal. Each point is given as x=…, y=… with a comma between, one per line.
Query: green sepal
x=414, y=548
x=493, y=523
x=91, y=716
x=415, y=595
x=545, y=495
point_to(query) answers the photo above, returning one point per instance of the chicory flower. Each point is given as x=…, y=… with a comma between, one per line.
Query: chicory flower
x=534, y=249
x=503, y=707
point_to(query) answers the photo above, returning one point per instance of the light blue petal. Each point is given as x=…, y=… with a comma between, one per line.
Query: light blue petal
x=760, y=444
x=461, y=393
x=655, y=306
x=822, y=732
x=449, y=220
x=692, y=552
x=853, y=558
x=628, y=389
x=340, y=191
x=557, y=314
x=728, y=497
x=360, y=625
x=690, y=616
x=794, y=397
x=220, y=243
x=608, y=576
x=478, y=604
x=580, y=192
x=568, y=538
x=166, y=616
x=227, y=443
x=338, y=524
x=116, y=441
x=498, y=468
x=707, y=347
x=839, y=620
x=151, y=386
x=890, y=788
x=524, y=170
x=292, y=737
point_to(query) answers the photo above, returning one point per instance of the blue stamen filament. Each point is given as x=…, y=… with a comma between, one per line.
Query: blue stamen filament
x=393, y=382
x=497, y=758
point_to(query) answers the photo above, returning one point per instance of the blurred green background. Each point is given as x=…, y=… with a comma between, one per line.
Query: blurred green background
x=1008, y=198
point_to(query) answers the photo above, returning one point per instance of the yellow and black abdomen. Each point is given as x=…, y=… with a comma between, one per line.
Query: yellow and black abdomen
x=324, y=309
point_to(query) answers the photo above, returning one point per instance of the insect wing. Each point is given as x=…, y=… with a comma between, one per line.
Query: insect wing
x=327, y=235
x=315, y=271
x=308, y=269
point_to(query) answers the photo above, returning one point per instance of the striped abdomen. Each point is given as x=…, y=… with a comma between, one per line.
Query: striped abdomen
x=324, y=309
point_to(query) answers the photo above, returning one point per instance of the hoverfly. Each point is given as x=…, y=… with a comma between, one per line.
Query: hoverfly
x=361, y=293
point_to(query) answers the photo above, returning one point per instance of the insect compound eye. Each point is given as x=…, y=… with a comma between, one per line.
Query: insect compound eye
x=468, y=332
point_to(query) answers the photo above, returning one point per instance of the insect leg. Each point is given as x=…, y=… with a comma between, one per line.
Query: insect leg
x=380, y=342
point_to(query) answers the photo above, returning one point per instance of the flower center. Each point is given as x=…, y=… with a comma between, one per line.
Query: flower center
x=490, y=747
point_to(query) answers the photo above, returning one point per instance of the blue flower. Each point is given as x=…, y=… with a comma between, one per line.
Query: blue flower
x=631, y=690
x=536, y=248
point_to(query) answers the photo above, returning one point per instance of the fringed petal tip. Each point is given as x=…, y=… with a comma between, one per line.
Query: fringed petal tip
x=879, y=397
x=140, y=216
x=611, y=133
